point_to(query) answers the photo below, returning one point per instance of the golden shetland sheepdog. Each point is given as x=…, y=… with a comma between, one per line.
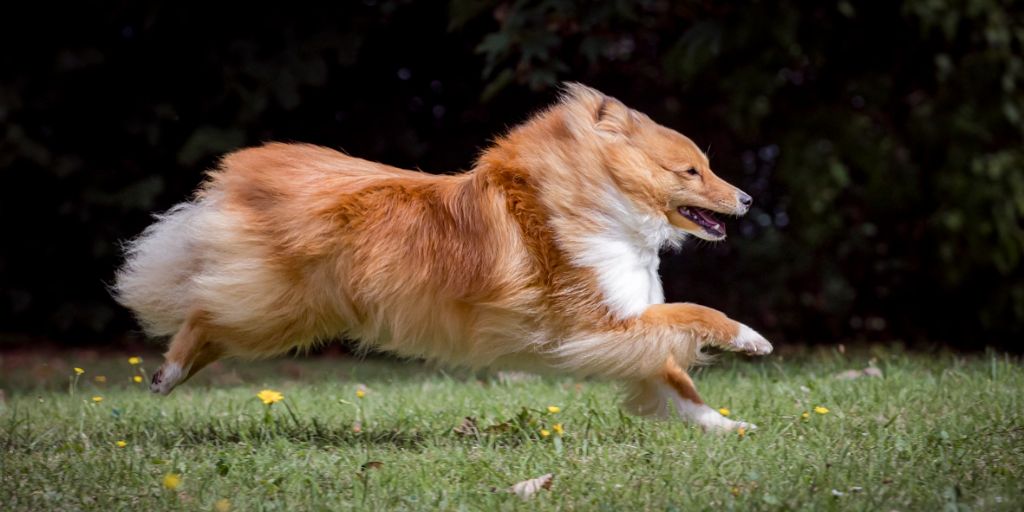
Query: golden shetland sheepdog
x=544, y=256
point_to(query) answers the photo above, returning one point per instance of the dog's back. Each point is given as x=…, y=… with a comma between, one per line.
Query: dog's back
x=176, y=257
x=287, y=244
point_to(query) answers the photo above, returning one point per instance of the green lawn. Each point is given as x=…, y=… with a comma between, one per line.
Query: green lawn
x=936, y=432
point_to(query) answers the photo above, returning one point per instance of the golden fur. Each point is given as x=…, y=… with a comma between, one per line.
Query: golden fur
x=513, y=263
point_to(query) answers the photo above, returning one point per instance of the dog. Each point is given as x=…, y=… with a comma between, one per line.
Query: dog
x=542, y=257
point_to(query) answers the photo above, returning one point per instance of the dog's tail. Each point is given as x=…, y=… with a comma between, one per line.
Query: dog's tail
x=155, y=281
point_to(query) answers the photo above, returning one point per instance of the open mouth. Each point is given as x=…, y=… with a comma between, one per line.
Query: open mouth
x=703, y=218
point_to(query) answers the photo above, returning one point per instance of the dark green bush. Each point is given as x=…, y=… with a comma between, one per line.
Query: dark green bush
x=881, y=140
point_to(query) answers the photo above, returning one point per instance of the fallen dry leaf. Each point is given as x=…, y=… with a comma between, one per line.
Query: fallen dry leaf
x=498, y=428
x=510, y=377
x=870, y=371
x=527, y=488
x=467, y=427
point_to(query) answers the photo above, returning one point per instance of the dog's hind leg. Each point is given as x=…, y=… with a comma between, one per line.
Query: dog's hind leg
x=689, y=405
x=188, y=353
x=673, y=395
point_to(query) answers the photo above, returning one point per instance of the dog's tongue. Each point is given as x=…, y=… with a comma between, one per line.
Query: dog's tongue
x=710, y=220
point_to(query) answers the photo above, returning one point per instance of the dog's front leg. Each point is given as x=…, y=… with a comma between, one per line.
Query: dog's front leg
x=636, y=348
x=709, y=326
x=670, y=393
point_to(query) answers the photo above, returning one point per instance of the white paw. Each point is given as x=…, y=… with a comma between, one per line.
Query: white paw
x=749, y=341
x=168, y=376
x=715, y=422
x=709, y=419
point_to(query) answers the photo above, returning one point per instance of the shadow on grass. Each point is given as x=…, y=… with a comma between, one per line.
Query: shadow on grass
x=313, y=432
x=25, y=371
x=510, y=433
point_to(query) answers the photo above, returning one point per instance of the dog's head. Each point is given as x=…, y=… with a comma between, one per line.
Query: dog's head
x=657, y=168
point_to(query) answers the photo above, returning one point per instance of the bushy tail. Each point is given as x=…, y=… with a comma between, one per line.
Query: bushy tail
x=155, y=281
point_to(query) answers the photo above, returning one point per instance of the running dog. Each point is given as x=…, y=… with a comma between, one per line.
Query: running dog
x=542, y=257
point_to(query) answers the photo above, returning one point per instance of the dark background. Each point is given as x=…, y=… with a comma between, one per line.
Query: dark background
x=882, y=141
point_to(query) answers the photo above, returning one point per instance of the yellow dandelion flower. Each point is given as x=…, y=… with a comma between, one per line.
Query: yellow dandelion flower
x=821, y=410
x=554, y=409
x=360, y=393
x=222, y=505
x=723, y=411
x=557, y=427
x=121, y=444
x=545, y=432
x=79, y=371
x=172, y=481
x=806, y=415
x=137, y=379
x=133, y=360
x=100, y=378
x=269, y=396
x=741, y=431
x=97, y=399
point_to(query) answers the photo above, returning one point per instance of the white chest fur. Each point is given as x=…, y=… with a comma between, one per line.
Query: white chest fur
x=627, y=273
x=623, y=253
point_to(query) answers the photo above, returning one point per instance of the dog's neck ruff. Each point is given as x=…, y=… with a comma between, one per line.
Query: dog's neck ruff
x=623, y=254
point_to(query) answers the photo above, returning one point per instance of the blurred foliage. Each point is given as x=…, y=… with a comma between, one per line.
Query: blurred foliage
x=882, y=140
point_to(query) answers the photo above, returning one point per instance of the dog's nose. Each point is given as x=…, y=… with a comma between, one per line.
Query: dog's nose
x=746, y=200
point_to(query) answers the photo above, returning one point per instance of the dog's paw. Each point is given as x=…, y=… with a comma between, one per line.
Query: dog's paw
x=708, y=419
x=164, y=380
x=750, y=342
x=728, y=426
x=712, y=421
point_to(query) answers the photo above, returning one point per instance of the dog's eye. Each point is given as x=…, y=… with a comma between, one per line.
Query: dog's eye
x=691, y=171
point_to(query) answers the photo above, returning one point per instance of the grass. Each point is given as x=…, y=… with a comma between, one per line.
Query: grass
x=935, y=432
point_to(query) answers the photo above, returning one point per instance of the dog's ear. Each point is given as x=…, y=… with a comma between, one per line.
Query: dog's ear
x=604, y=113
x=612, y=116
